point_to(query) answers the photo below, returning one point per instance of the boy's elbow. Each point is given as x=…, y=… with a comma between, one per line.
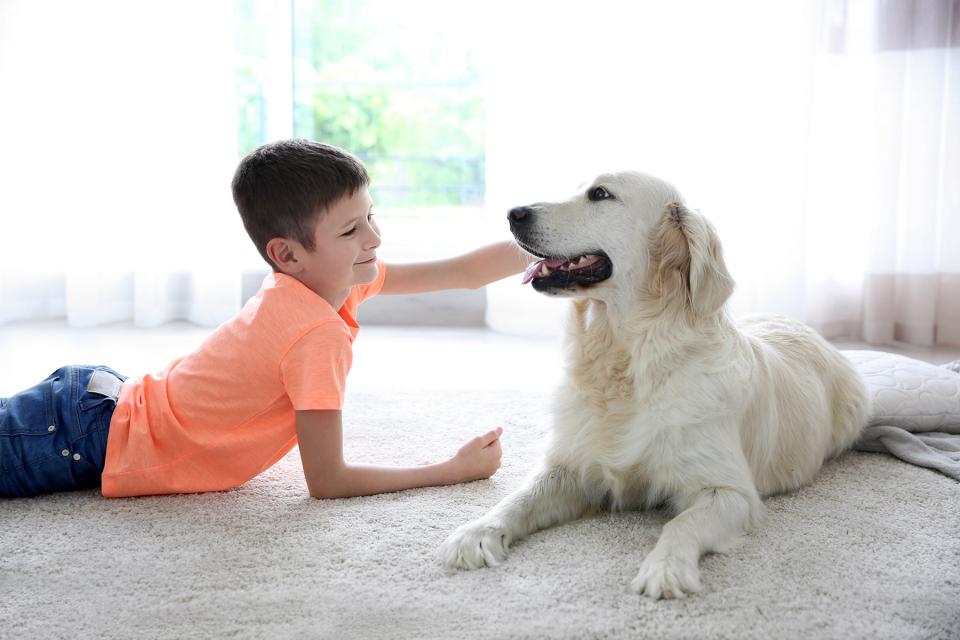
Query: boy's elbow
x=327, y=489
x=323, y=488
x=331, y=487
x=326, y=492
x=318, y=491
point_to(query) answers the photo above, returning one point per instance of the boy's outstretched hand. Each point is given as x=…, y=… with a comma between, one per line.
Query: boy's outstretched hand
x=479, y=458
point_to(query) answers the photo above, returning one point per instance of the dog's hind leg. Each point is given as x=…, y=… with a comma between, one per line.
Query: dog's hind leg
x=547, y=498
x=712, y=521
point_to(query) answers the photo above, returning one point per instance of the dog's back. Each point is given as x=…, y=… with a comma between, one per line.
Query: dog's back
x=808, y=404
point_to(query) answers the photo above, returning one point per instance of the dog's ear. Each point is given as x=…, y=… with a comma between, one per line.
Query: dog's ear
x=686, y=262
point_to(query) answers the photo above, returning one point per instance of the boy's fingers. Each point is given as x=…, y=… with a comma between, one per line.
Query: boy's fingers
x=491, y=436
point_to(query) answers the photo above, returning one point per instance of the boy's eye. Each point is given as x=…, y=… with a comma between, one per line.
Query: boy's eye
x=351, y=232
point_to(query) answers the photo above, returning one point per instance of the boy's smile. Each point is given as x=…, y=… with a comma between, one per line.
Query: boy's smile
x=344, y=254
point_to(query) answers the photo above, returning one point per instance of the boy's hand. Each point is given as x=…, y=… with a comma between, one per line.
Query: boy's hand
x=479, y=458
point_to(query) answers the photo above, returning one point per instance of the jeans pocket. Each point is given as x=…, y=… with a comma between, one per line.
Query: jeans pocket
x=30, y=412
x=93, y=400
x=86, y=472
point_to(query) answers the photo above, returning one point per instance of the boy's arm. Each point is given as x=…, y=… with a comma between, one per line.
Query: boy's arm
x=468, y=271
x=320, y=434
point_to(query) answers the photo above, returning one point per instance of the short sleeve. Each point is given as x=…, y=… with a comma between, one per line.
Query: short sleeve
x=314, y=369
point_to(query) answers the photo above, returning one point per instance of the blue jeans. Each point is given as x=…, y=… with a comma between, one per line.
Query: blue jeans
x=53, y=436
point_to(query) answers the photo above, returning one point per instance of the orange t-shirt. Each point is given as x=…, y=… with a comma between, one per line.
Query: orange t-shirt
x=225, y=413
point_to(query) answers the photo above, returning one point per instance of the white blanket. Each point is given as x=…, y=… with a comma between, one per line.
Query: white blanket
x=916, y=409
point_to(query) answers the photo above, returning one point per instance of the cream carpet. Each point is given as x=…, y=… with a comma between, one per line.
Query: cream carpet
x=871, y=550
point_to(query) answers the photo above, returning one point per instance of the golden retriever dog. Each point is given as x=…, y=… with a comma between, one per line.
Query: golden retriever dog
x=667, y=400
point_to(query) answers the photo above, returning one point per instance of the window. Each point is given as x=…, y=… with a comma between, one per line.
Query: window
x=399, y=84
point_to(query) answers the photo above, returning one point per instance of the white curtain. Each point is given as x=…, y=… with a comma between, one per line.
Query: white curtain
x=826, y=150
x=900, y=62
x=118, y=138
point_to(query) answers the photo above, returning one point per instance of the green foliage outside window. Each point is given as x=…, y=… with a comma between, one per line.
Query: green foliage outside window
x=396, y=83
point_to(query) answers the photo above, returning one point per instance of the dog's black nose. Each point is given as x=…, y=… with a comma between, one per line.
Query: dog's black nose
x=519, y=215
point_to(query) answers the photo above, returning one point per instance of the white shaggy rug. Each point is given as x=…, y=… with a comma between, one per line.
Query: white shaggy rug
x=871, y=550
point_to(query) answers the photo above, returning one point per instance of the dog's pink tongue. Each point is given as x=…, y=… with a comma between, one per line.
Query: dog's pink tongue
x=534, y=268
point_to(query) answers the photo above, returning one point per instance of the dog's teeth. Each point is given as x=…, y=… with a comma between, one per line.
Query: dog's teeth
x=544, y=270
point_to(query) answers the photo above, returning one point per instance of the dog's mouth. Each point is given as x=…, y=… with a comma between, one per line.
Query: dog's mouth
x=563, y=272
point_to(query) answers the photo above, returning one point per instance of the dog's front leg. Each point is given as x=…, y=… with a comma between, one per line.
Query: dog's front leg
x=712, y=521
x=548, y=497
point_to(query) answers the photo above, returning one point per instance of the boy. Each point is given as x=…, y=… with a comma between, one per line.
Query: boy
x=268, y=379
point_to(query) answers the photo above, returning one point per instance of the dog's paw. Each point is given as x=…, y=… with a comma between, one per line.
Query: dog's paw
x=667, y=577
x=475, y=545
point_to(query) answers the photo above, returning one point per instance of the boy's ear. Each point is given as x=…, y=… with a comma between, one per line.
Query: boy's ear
x=283, y=254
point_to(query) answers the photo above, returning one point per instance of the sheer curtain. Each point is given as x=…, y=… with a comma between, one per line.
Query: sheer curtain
x=908, y=54
x=821, y=138
x=117, y=143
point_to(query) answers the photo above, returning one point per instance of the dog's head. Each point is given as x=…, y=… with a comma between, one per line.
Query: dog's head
x=626, y=237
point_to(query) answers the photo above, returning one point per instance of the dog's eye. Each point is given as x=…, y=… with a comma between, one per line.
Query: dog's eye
x=599, y=193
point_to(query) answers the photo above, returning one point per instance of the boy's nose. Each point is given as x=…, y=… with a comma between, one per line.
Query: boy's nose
x=374, y=241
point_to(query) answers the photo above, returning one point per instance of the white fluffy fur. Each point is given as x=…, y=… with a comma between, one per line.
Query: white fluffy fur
x=667, y=400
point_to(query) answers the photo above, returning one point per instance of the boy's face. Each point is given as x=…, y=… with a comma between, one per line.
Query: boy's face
x=346, y=239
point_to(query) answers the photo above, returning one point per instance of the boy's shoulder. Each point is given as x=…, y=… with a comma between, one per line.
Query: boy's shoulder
x=284, y=308
x=279, y=289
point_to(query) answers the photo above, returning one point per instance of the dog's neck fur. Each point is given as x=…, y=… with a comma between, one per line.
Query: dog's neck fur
x=614, y=357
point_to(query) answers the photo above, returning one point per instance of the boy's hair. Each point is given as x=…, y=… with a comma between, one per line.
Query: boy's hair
x=281, y=188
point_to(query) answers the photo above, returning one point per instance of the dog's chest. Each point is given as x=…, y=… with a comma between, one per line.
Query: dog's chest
x=602, y=380
x=611, y=422
x=612, y=447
